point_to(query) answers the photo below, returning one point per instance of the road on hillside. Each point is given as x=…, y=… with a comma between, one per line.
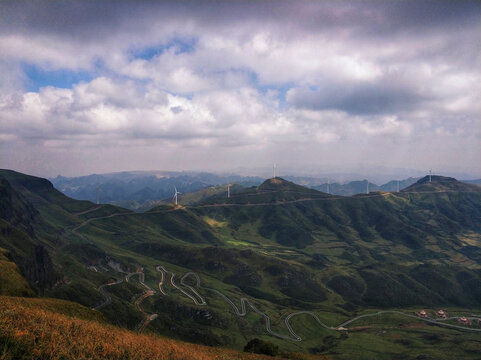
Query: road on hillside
x=141, y=297
x=278, y=203
x=105, y=294
x=198, y=299
x=293, y=335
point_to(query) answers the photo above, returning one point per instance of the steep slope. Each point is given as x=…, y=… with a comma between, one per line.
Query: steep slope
x=12, y=282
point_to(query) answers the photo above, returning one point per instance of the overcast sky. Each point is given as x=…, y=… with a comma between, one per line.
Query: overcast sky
x=98, y=86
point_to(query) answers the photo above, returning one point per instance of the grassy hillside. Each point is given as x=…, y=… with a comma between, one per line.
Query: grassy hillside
x=440, y=183
x=219, y=191
x=53, y=329
x=12, y=282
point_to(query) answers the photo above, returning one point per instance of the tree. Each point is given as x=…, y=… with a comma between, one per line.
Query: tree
x=261, y=347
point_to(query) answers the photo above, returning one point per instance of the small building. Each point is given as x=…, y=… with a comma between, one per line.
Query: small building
x=463, y=320
x=441, y=313
x=422, y=314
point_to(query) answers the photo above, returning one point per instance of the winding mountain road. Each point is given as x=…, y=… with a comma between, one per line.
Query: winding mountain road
x=105, y=294
x=294, y=336
x=142, y=296
x=197, y=299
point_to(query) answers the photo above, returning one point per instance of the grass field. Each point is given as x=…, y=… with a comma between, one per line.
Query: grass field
x=55, y=329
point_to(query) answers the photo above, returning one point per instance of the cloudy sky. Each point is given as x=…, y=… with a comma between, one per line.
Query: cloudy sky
x=99, y=86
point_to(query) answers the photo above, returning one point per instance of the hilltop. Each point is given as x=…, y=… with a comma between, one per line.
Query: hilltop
x=279, y=184
x=440, y=183
x=275, y=190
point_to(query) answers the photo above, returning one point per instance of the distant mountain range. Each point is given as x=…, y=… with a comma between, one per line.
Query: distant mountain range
x=142, y=190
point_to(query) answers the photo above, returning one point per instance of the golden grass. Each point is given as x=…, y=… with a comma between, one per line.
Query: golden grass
x=28, y=327
x=214, y=223
x=11, y=281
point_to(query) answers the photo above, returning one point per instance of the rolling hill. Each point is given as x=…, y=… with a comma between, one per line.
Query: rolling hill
x=285, y=248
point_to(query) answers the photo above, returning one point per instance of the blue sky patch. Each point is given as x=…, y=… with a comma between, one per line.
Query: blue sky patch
x=281, y=88
x=36, y=77
x=181, y=46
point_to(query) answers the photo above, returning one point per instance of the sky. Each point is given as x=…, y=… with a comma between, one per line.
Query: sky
x=313, y=86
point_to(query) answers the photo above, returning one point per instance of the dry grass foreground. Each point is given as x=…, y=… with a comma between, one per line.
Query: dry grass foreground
x=11, y=282
x=55, y=329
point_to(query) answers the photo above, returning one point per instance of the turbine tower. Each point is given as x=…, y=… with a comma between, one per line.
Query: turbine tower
x=274, y=168
x=97, y=190
x=328, y=186
x=367, y=186
x=228, y=191
x=430, y=171
x=398, y=186
x=175, y=195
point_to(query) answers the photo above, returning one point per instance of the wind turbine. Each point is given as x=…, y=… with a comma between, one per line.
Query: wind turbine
x=274, y=168
x=398, y=186
x=430, y=171
x=328, y=186
x=175, y=195
x=367, y=186
x=228, y=191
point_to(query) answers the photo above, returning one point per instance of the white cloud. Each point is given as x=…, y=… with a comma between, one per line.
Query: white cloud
x=388, y=125
x=302, y=76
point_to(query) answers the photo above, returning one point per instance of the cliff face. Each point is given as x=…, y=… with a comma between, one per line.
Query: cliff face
x=14, y=208
x=39, y=269
x=18, y=236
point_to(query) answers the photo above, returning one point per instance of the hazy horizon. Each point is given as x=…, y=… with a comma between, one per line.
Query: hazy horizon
x=315, y=87
x=376, y=175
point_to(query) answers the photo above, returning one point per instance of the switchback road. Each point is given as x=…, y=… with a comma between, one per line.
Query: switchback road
x=293, y=336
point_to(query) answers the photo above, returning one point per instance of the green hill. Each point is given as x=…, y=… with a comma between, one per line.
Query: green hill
x=209, y=192
x=270, y=191
x=285, y=247
x=440, y=183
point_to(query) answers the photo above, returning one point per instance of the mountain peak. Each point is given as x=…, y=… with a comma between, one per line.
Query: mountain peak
x=440, y=183
x=278, y=183
x=436, y=179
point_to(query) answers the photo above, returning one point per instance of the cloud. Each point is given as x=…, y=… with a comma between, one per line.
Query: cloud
x=282, y=78
x=356, y=98
x=389, y=125
x=107, y=109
